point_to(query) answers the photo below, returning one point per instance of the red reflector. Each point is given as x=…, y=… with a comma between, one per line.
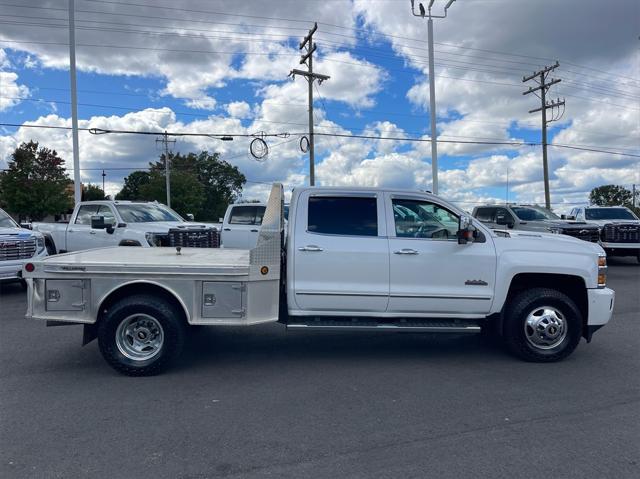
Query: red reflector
x=29, y=267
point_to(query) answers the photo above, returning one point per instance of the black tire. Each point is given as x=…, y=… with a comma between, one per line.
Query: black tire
x=527, y=302
x=164, y=313
x=51, y=249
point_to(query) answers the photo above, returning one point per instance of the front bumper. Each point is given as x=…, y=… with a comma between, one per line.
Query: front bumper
x=629, y=248
x=601, y=302
x=13, y=269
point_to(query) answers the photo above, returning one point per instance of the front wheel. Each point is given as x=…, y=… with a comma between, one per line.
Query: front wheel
x=141, y=335
x=542, y=325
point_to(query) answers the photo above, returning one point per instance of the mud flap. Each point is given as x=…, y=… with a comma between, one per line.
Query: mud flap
x=89, y=333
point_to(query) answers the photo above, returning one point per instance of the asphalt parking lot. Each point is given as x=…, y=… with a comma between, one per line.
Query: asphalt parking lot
x=261, y=402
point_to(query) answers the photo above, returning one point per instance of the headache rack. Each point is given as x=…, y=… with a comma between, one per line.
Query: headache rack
x=193, y=238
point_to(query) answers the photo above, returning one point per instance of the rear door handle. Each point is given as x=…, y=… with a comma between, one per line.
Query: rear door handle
x=254, y=231
x=310, y=247
x=92, y=232
x=227, y=229
x=405, y=251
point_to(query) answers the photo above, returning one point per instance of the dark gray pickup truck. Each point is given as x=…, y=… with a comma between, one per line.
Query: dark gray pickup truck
x=534, y=218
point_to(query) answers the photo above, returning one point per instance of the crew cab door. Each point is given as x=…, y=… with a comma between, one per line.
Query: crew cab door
x=102, y=237
x=341, y=253
x=429, y=271
x=80, y=236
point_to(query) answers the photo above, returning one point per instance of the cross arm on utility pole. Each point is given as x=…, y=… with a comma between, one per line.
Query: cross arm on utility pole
x=540, y=87
x=552, y=104
x=306, y=56
x=316, y=76
x=309, y=36
x=543, y=71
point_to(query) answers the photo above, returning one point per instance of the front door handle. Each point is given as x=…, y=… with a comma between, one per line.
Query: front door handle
x=254, y=231
x=227, y=229
x=92, y=232
x=310, y=247
x=405, y=251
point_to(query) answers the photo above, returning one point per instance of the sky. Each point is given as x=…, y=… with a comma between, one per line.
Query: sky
x=222, y=68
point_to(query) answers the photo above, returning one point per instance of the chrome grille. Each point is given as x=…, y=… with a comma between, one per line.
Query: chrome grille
x=12, y=248
x=621, y=233
x=585, y=234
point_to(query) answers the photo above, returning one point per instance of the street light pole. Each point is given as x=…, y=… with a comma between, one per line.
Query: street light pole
x=432, y=83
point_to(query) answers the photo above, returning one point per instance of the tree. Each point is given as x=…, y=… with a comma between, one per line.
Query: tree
x=92, y=193
x=35, y=184
x=187, y=195
x=133, y=185
x=217, y=183
x=610, y=195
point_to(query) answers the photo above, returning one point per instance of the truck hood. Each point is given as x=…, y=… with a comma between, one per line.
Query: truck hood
x=602, y=223
x=547, y=242
x=20, y=233
x=546, y=225
x=164, y=226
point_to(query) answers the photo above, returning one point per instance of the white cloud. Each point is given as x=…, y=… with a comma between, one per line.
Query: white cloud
x=238, y=109
x=12, y=92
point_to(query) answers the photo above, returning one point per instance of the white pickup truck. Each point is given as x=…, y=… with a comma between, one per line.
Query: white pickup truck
x=352, y=260
x=97, y=224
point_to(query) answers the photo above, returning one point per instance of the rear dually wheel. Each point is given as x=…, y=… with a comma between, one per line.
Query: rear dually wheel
x=141, y=335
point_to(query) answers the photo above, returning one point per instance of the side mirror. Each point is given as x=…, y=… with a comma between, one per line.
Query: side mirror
x=503, y=220
x=190, y=217
x=98, y=223
x=466, y=230
x=26, y=226
x=567, y=217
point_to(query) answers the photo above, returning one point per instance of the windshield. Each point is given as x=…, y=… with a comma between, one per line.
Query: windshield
x=6, y=221
x=146, y=213
x=533, y=214
x=609, y=214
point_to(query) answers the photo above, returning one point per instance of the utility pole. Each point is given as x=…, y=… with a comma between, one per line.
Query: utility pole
x=432, y=83
x=307, y=58
x=77, y=187
x=540, y=78
x=103, y=175
x=633, y=197
x=167, y=163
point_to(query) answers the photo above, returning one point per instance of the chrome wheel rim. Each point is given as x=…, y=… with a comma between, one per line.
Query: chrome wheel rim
x=545, y=327
x=139, y=337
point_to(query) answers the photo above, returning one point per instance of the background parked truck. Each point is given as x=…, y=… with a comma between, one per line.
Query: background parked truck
x=96, y=224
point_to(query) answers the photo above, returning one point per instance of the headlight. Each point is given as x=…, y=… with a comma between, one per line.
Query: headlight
x=40, y=244
x=157, y=239
x=602, y=271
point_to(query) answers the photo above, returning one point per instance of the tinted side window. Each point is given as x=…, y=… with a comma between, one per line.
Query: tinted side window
x=351, y=216
x=485, y=215
x=246, y=215
x=85, y=213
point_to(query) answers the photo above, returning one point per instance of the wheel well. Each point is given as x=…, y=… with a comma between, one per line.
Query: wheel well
x=572, y=286
x=48, y=239
x=149, y=289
